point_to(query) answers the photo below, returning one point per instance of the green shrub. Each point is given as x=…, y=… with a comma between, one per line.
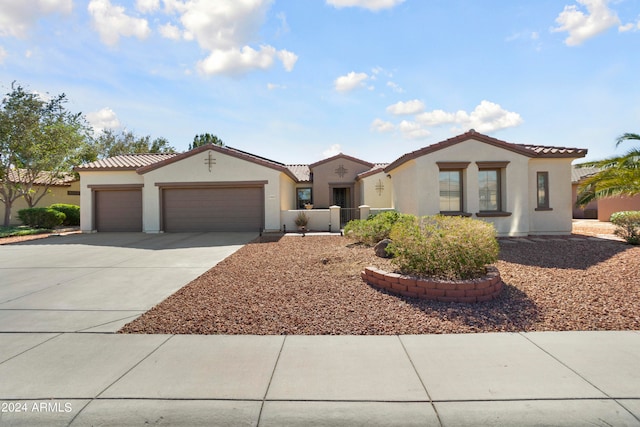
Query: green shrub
x=375, y=228
x=445, y=247
x=41, y=217
x=628, y=223
x=72, y=213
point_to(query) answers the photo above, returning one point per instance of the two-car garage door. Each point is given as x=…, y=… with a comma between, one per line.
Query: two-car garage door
x=237, y=208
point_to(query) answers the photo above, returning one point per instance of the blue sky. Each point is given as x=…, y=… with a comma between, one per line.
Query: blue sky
x=300, y=80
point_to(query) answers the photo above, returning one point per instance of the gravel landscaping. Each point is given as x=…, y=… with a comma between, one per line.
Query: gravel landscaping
x=311, y=285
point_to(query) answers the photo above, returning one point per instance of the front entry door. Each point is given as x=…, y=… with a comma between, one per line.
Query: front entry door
x=342, y=197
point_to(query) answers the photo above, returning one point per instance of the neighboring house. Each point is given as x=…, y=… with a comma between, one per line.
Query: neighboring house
x=61, y=190
x=578, y=175
x=600, y=209
x=521, y=189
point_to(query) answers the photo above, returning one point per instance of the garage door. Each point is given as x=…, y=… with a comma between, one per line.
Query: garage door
x=213, y=209
x=118, y=210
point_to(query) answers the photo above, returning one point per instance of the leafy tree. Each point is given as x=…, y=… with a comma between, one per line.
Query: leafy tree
x=111, y=143
x=618, y=176
x=40, y=141
x=205, y=138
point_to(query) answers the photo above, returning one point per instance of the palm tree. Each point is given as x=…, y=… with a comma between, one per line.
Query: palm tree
x=618, y=176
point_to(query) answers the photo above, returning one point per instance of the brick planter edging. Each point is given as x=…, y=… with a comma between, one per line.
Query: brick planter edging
x=482, y=289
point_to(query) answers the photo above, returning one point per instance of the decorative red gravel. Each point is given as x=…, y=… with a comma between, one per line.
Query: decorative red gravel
x=312, y=286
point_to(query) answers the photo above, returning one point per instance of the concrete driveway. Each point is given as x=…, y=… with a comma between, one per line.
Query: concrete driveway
x=99, y=282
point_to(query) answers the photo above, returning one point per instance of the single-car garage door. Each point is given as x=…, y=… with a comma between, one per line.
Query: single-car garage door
x=213, y=209
x=118, y=210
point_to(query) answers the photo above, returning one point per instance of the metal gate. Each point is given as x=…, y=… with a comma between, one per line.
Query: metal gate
x=348, y=214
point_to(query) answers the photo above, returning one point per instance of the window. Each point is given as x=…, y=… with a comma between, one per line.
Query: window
x=303, y=197
x=543, y=190
x=450, y=191
x=489, y=184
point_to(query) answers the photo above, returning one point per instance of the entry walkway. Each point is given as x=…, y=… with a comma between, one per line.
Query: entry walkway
x=537, y=378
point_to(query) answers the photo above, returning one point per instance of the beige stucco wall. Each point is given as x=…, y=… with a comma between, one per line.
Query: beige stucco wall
x=56, y=194
x=226, y=169
x=369, y=193
x=416, y=188
x=100, y=178
x=325, y=176
x=404, y=188
x=557, y=220
x=617, y=204
x=287, y=192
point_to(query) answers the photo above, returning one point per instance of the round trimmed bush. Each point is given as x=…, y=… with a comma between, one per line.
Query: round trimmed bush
x=628, y=223
x=72, y=213
x=447, y=247
x=375, y=228
x=41, y=217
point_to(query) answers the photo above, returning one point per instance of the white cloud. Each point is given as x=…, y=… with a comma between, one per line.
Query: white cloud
x=170, y=31
x=410, y=107
x=103, y=119
x=274, y=86
x=436, y=117
x=112, y=22
x=226, y=28
x=288, y=59
x=395, y=87
x=581, y=26
x=412, y=130
x=486, y=117
x=147, y=6
x=380, y=125
x=3, y=54
x=351, y=81
x=17, y=17
x=365, y=4
x=629, y=27
x=334, y=150
x=239, y=61
x=284, y=26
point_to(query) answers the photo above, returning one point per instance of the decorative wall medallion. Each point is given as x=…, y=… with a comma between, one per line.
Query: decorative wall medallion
x=379, y=187
x=209, y=161
x=341, y=171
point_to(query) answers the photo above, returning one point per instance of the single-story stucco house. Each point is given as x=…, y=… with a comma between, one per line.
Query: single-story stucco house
x=600, y=209
x=521, y=189
x=60, y=190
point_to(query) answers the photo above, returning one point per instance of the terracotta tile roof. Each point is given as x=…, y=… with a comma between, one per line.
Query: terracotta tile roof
x=377, y=168
x=525, y=150
x=301, y=172
x=126, y=162
x=546, y=151
x=577, y=174
x=230, y=151
x=43, y=178
x=341, y=156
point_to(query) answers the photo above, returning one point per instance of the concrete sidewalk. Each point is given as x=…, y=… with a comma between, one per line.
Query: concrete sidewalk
x=538, y=378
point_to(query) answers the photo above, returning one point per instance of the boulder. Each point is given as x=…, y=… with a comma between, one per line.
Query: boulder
x=381, y=248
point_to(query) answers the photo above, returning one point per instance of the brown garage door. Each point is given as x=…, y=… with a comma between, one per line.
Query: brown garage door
x=118, y=210
x=213, y=209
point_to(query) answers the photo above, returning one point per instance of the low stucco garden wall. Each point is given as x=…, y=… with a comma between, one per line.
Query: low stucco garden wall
x=467, y=291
